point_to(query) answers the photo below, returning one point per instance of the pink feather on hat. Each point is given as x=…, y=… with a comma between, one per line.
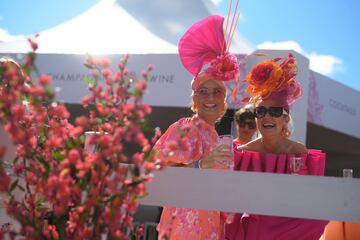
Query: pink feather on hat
x=204, y=45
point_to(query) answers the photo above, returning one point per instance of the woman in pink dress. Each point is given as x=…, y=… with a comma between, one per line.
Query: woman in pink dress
x=273, y=88
x=202, y=44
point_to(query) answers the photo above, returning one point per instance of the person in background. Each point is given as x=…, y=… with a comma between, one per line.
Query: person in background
x=274, y=88
x=245, y=125
x=192, y=142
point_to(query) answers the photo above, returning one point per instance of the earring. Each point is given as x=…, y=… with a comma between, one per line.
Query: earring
x=285, y=132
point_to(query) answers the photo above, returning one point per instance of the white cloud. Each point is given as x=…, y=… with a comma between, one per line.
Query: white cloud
x=5, y=36
x=321, y=63
x=325, y=64
x=289, y=45
x=216, y=2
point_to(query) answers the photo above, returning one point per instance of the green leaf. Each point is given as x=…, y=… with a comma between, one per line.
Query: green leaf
x=57, y=156
x=21, y=188
x=45, y=164
x=109, y=199
x=14, y=185
x=69, y=144
x=99, y=120
x=15, y=160
x=88, y=81
x=48, y=91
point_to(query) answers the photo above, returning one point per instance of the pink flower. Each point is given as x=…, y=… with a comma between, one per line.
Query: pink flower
x=45, y=80
x=146, y=108
x=5, y=181
x=62, y=177
x=138, y=158
x=150, y=67
x=105, y=62
x=141, y=85
x=224, y=67
x=2, y=151
x=140, y=189
x=139, y=231
x=73, y=155
x=54, y=142
x=31, y=178
x=18, y=111
x=106, y=72
x=33, y=44
x=76, y=132
x=109, y=81
x=61, y=112
x=86, y=100
x=33, y=142
x=121, y=66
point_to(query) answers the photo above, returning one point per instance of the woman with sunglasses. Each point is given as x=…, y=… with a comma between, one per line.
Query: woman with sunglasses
x=245, y=125
x=273, y=88
x=195, y=137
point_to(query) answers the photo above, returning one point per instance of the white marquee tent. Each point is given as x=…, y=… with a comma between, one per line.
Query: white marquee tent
x=123, y=26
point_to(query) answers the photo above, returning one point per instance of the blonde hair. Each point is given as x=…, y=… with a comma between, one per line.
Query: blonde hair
x=288, y=130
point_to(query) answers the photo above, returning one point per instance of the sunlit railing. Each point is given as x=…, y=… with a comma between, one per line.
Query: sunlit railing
x=312, y=197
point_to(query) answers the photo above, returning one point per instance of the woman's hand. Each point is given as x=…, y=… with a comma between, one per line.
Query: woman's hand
x=219, y=158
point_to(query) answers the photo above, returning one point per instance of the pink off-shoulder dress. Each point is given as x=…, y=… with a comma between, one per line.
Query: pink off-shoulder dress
x=246, y=226
x=189, y=224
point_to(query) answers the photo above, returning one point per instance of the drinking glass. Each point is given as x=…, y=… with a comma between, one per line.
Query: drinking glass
x=347, y=173
x=91, y=148
x=295, y=165
x=227, y=140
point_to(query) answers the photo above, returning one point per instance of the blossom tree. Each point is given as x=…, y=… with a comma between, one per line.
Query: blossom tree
x=68, y=191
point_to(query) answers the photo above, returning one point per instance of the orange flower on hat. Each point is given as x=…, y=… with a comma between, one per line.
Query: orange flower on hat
x=264, y=78
x=269, y=79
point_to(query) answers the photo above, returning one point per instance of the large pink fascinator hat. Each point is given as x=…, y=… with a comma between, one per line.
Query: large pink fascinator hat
x=272, y=79
x=204, y=51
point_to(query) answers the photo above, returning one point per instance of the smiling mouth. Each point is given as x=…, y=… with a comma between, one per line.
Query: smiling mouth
x=209, y=106
x=268, y=125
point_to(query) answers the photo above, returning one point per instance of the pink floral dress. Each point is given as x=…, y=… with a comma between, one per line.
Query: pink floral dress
x=180, y=223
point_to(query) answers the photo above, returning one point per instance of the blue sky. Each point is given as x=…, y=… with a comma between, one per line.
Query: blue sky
x=326, y=31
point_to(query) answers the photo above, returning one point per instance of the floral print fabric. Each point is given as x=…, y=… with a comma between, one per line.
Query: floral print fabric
x=180, y=223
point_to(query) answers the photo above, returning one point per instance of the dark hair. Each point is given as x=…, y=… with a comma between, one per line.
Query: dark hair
x=244, y=113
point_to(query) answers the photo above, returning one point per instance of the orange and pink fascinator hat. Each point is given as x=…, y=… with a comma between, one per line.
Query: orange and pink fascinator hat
x=271, y=79
x=204, y=50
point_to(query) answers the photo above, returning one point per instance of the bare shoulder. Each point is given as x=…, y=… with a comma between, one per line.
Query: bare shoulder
x=250, y=146
x=296, y=147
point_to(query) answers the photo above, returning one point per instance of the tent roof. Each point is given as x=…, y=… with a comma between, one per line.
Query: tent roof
x=123, y=26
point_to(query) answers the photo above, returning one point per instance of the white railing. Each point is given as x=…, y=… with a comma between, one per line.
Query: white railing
x=311, y=197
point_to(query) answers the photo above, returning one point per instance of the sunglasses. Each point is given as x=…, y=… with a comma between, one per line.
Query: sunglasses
x=250, y=124
x=205, y=93
x=276, y=112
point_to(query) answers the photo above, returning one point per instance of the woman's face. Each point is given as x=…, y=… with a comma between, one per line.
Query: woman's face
x=246, y=128
x=270, y=125
x=209, y=100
